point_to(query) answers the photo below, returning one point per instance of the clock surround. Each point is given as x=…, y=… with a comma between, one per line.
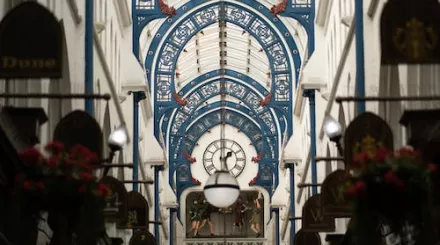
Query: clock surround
x=212, y=157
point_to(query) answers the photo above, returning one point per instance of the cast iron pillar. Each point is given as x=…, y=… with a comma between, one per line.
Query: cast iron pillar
x=157, y=169
x=88, y=69
x=172, y=225
x=137, y=97
x=310, y=93
x=360, y=55
x=291, y=167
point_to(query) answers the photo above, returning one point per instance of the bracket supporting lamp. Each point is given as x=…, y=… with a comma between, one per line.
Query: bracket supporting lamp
x=333, y=130
x=117, y=140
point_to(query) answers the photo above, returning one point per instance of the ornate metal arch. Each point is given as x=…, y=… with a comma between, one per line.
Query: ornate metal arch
x=197, y=99
x=163, y=76
x=268, y=168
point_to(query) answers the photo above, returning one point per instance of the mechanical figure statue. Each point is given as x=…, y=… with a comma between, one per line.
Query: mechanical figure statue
x=205, y=213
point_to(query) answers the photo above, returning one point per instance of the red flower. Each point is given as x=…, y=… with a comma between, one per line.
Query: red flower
x=360, y=158
x=102, y=190
x=382, y=154
x=41, y=185
x=55, y=147
x=28, y=184
x=80, y=151
x=82, y=189
x=432, y=167
x=360, y=186
x=31, y=156
x=92, y=158
x=86, y=176
x=391, y=178
x=52, y=162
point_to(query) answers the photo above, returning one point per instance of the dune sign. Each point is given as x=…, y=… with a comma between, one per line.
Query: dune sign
x=30, y=43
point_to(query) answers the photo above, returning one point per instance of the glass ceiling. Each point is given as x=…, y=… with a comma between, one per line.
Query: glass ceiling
x=242, y=53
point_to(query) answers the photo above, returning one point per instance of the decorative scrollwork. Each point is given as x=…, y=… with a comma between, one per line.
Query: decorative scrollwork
x=266, y=100
x=179, y=100
x=279, y=8
x=170, y=11
x=189, y=158
x=195, y=181
x=258, y=157
x=253, y=181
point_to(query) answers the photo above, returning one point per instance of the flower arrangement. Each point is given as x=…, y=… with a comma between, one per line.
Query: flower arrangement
x=391, y=188
x=59, y=174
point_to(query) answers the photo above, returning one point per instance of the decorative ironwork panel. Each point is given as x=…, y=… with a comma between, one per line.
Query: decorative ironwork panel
x=144, y=4
x=282, y=87
x=253, y=100
x=175, y=143
x=279, y=57
x=265, y=173
x=163, y=87
x=194, y=100
x=209, y=89
x=195, y=131
x=268, y=120
x=237, y=15
x=302, y=3
x=183, y=32
x=179, y=120
x=236, y=89
x=183, y=173
x=206, y=16
x=271, y=143
x=263, y=32
x=168, y=58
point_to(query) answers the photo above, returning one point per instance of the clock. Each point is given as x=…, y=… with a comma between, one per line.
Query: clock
x=235, y=163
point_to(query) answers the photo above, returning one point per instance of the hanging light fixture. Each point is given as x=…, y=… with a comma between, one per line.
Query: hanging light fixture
x=221, y=189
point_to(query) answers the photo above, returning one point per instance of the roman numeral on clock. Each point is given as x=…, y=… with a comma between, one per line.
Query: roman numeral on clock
x=210, y=167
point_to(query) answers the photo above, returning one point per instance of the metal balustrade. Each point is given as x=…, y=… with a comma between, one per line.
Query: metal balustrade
x=229, y=241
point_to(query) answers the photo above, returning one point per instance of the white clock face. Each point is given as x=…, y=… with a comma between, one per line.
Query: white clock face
x=235, y=163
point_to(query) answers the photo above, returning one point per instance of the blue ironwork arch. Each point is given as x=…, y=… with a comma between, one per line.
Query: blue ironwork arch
x=177, y=38
x=268, y=169
x=176, y=136
x=246, y=89
x=198, y=97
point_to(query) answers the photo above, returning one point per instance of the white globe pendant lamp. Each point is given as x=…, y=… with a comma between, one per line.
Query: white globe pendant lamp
x=222, y=189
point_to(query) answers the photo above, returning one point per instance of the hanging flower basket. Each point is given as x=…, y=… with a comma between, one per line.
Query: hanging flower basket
x=63, y=184
x=392, y=189
x=59, y=177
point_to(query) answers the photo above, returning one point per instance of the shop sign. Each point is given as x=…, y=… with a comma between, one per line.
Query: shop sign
x=410, y=32
x=137, y=212
x=335, y=203
x=30, y=43
x=79, y=128
x=115, y=209
x=142, y=237
x=314, y=218
x=307, y=238
x=366, y=133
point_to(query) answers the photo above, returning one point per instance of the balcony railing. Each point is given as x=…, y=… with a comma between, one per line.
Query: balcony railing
x=229, y=241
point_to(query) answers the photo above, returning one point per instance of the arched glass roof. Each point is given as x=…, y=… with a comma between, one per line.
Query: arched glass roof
x=241, y=51
x=257, y=51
